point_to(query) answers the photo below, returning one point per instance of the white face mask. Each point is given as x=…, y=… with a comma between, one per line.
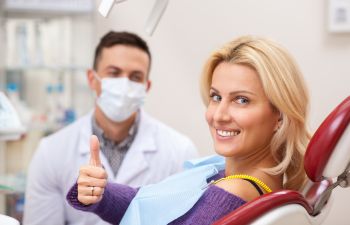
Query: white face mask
x=120, y=97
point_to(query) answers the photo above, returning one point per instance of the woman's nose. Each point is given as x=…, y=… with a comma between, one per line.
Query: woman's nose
x=222, y=113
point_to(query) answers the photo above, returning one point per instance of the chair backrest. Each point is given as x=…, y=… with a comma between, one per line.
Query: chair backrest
x=328, y=152
x=327, y=157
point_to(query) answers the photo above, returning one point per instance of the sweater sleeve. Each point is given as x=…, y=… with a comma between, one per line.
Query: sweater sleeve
x=115, y=201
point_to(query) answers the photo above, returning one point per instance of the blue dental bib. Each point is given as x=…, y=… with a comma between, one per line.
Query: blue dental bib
x=161, y=203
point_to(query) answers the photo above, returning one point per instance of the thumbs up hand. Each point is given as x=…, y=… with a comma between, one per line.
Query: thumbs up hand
x=92, y=178
x=95, y=152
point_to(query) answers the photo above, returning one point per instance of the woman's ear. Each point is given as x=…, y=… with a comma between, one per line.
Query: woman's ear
x=279, y=122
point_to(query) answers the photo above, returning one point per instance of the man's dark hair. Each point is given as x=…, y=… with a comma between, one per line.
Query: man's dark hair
x=120, y=38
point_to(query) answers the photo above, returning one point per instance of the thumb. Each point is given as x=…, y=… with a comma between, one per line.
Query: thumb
x=95, y=151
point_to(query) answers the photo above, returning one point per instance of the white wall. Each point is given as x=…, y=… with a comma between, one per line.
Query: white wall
x=191, y=29
x=2, y=145
x=2, y=53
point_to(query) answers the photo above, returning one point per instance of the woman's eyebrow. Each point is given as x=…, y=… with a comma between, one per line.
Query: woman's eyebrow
x=213, y=89
x=242, y=92
x=235, y=92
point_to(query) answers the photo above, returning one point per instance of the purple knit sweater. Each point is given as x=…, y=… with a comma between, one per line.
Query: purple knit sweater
x=213, y=204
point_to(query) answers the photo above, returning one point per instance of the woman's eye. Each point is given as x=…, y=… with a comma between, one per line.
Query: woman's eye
x=214, y=97
x=242, y=100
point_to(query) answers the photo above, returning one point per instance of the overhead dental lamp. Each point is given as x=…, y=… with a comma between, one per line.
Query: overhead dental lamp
x=153, y=19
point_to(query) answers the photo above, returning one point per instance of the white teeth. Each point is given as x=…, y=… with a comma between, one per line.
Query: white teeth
x=224, y=133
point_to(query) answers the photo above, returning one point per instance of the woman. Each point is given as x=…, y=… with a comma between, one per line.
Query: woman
x=256, y=111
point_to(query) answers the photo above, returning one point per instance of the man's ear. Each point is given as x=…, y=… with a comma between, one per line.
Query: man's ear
x=148, y=85
x=91, y=79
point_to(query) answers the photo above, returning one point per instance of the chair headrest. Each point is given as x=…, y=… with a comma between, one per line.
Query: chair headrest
x=328, y=152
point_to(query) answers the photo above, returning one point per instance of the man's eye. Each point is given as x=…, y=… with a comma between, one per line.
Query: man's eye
x=214, y=97
x=113, y=74
x=136, y=77
x=242, y=100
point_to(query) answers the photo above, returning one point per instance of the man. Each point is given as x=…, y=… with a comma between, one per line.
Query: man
x=136, y=149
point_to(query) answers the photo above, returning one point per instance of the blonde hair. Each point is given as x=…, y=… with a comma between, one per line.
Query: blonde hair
x=284, y=87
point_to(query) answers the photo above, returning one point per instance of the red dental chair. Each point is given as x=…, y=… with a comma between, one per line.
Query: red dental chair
x=327, y=164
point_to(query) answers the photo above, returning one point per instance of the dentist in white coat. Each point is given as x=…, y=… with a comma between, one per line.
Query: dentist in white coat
x=136, y=149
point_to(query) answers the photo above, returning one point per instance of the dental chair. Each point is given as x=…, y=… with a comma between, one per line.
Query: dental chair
x=327, y=165
x=6, y=220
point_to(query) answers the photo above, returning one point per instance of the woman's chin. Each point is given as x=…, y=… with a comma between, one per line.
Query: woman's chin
x=226, y=151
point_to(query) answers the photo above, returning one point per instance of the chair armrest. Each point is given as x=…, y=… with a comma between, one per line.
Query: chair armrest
x=252, y=210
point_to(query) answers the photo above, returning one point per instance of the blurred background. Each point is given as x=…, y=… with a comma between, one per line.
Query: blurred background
x=46, y=46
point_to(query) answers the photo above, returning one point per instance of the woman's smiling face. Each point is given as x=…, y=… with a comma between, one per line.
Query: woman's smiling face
x=240, y=117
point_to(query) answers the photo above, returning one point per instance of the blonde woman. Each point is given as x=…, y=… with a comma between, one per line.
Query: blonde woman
x=256, y=111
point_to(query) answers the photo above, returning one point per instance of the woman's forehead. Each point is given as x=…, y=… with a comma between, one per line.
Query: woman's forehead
x=235, y=77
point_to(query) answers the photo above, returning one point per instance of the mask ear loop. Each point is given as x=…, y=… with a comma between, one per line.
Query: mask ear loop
x=96, y=76
x=94, y=73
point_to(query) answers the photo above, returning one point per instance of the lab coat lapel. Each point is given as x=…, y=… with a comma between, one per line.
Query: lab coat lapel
x=136, y=160
x=83, y=141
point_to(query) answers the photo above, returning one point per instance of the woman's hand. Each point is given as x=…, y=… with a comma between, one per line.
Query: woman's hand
x=92, y=178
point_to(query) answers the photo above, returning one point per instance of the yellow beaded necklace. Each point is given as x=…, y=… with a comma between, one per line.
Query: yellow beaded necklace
x=244, y=176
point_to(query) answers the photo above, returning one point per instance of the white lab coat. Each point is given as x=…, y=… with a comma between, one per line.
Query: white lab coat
x=156, y=152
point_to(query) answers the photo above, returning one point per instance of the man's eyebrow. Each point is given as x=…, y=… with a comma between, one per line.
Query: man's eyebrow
x=112, y=67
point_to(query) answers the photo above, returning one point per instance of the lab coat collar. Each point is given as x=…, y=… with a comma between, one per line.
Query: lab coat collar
x=145, y=136
x=136, y=160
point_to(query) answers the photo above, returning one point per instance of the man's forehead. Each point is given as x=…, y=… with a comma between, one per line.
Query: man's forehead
x=124, y=48
x=124, y=54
